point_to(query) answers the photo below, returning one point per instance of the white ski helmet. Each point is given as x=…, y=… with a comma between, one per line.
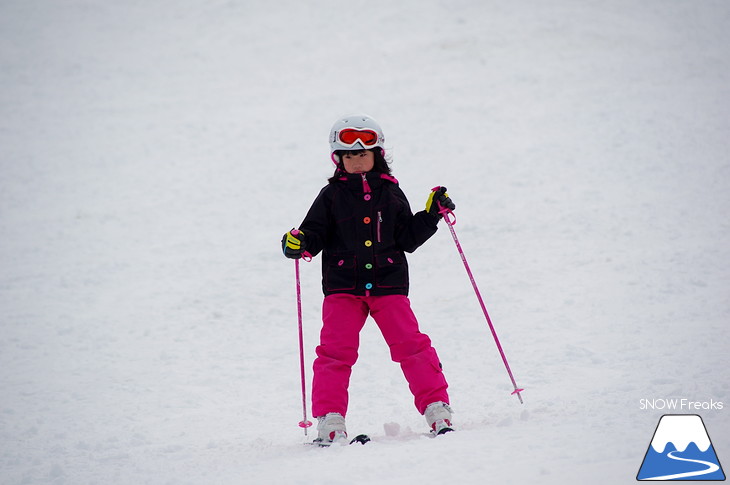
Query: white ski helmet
x=355, y=132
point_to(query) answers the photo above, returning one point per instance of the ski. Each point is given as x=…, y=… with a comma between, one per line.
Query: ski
x=444, y=430
x=361, y=438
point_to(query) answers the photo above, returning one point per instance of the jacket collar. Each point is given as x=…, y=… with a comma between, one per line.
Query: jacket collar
x=372, y=180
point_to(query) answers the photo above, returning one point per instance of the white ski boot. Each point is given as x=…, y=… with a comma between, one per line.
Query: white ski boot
x=438, y=417
x=331, y=428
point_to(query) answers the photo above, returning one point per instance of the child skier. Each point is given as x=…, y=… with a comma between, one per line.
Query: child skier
x=363, y=225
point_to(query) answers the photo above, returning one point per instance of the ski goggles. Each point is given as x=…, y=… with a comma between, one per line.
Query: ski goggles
x=348, y=137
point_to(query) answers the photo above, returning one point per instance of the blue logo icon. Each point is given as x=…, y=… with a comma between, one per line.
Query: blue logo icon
x=681, y=450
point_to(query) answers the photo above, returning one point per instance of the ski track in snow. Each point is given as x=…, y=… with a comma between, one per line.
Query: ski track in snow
x=152, y=154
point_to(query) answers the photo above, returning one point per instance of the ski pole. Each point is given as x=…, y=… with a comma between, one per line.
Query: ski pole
x=304, y=423
x=448, y=214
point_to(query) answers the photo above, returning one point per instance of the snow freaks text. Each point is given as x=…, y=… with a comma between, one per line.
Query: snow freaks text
x=677, y=404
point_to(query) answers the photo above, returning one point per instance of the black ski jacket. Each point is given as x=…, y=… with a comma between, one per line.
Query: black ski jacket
x=363, y=225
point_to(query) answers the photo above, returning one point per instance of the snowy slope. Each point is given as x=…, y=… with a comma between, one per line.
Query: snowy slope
x=152, y=154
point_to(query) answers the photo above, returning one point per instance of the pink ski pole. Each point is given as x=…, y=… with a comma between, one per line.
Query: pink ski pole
x=304, y=423
x=447, y=218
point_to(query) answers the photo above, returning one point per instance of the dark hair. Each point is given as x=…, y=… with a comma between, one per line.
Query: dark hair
x=381, y=165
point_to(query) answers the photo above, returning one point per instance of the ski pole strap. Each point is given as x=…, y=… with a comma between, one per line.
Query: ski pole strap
x=447, y=214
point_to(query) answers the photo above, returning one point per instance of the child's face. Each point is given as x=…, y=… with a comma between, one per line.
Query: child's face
x=358, y=162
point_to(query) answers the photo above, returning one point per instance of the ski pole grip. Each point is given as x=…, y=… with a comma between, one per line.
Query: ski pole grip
x=445, y=212
x=306, y=256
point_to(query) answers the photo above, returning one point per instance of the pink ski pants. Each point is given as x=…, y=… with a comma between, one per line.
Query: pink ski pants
x=343, y=316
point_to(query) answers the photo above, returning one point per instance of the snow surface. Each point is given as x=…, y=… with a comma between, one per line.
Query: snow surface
x=153, y=152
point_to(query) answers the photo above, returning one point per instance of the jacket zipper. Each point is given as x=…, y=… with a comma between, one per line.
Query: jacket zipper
x=380, y=219
x=365, y=185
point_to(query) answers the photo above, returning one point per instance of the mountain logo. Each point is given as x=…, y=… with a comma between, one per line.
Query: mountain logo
x=680, y=450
